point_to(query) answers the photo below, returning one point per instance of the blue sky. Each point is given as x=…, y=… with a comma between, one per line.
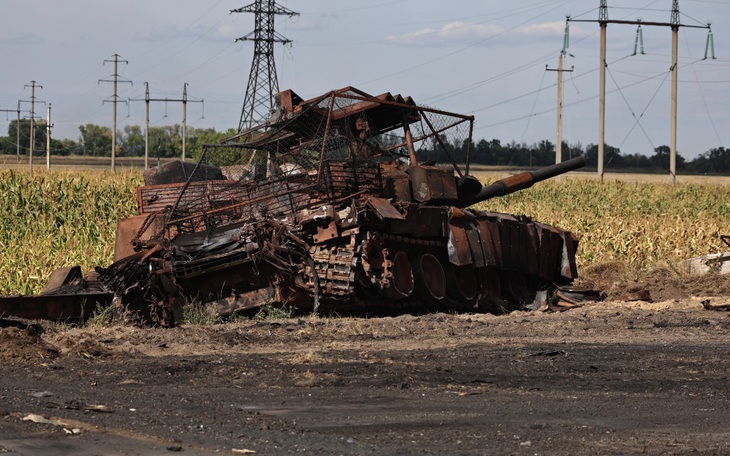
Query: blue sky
x=482, y=57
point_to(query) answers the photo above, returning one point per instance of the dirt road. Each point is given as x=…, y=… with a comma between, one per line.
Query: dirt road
x=607, y=378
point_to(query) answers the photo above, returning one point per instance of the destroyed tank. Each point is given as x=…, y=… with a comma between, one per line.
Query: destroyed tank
x=330, y=209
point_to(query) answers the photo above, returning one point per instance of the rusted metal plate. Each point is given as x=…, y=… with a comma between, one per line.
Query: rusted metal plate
x=458, y=247
x=532, y=248
x=509, y=233
x=325, y=233
x=53, y=307
x=384, y=209
x=431, y=184
x=62, y=276
x=242, y=301
x=489, y=235
x=396, y=184
x=568, y=269
x=476, y=243
x=200, y=196
x=551, y=245
x=422, y=221
x=346, y=178
x=128, y=229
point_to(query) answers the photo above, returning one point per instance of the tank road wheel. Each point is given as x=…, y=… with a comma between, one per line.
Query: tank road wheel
x=430, y=278
x=462, y=284
x=397, y=282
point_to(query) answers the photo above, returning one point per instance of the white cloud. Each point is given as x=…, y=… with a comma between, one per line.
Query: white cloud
x=461, y=32
x=453, y=31
x=543, y=30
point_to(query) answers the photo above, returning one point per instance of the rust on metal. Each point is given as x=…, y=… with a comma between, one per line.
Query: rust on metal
x=333, y=203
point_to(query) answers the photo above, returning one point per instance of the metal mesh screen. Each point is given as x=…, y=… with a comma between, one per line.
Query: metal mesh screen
x=313, y=153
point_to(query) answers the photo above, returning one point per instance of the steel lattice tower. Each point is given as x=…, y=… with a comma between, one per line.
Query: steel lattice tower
x=675, y=13
x=603, y=11
x=262, y=82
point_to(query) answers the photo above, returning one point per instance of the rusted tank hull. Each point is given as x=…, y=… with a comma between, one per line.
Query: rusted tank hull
x=332, y=208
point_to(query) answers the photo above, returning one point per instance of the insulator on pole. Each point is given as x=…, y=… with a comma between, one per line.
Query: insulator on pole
x=566, y=36
x=710, y=45
x=639, y=41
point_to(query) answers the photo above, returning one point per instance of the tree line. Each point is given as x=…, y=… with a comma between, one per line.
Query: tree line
x=166, y=142
x=96, y=140
x=495, y=153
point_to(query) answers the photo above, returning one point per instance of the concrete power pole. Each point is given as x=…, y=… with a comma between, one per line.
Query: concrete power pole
x=33, y=84
x=674, y=21
x=115, y=99
x=560, y=71
x=48, y=137
x=262, y=81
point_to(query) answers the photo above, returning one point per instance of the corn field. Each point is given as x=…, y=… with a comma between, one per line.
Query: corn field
x=639, y=224
x=56, y=219
x=50, y=220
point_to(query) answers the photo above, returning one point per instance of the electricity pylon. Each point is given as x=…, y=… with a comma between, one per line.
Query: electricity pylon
x=262, y=81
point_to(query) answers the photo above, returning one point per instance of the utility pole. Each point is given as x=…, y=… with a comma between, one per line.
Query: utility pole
x=17, y=129
x=675, y=67
x=48, y=137
x=184, y=100
x=560, y=71
x=674, y=24
x=146, y=124
x=262, y=81
x=33, y=84
x=115, y=99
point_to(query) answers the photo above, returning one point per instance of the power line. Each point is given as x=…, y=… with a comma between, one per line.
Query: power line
x=674, y=23
x=184, y=100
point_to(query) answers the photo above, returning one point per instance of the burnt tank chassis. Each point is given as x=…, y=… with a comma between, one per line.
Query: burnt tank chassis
x=331, y=209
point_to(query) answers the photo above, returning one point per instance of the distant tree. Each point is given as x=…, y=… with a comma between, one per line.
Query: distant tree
x=95, y=140
x=39, y=132
x=714, y=161
x=544, y=153
x=636, y=161
x=65, y=147
x=573, y=151
x=131, y=141
x=611, y=156
x=661, y=157
x=198, y=137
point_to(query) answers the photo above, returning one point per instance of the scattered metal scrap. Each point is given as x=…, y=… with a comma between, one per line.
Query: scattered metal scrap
x=328, y=208
x=707, y=304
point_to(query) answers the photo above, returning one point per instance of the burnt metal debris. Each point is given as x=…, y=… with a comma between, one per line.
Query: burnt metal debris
x=328, y=208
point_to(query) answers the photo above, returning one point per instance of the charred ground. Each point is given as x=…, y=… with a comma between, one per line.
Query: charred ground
x=606, y=378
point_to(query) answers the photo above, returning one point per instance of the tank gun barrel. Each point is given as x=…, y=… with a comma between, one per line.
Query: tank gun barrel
x=525, y=180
